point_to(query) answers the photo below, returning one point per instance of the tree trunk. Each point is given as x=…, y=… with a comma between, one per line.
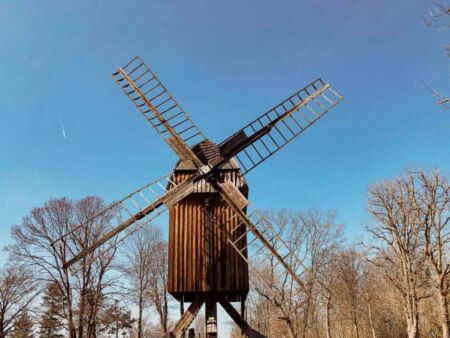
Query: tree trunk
x=328, y=321
x=411, y=301
x=355, y=326
x=139, y=333
x=2, y=324
x=290, y=327
x=342, y=329
x=165, y=310
x=412, y=323
x=372, y=327
x=81, y=315
x=316, y=324
x=306, y=314
x=444, y=314
x=162, y=309
x=71, y=326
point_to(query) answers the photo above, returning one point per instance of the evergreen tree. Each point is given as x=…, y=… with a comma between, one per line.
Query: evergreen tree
x=51, y=319
x=116, y=320
x=23, y=326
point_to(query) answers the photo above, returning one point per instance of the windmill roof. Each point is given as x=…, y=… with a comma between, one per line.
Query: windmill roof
x=207, y=152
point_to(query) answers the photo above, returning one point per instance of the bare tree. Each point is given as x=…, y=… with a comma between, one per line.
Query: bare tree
x=264, y=315
x=370, y=296
x=323, y=236
x=158, y=284
x=440, y=10
x=350, y=297
x=350, y=270
x=17, y=292
x=35, y=246
x=140, y=257
x=434, y=203
x=91, y=281
x=278, y=288
x=329, y=277
x=398, y=247
x=311, y=236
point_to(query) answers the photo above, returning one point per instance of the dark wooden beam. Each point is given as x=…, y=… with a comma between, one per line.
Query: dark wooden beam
x=238, y=319
x=186, y=319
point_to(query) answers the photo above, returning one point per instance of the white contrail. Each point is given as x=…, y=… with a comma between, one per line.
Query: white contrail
x=62, y=128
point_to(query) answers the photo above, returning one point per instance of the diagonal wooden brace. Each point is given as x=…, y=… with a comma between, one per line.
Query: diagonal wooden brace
x=234, y=193
x=252, y=227
x=238, y=319
x=186, y=319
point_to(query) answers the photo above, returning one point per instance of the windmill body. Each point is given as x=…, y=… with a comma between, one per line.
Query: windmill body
x=201, y=263
x=215, y=235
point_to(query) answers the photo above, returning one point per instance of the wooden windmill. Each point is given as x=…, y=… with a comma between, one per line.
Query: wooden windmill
x=215, y=235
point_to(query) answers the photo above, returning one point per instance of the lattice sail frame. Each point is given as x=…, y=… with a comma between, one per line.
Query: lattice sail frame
x=159, y=108
x=136, y=210
x=300, y=110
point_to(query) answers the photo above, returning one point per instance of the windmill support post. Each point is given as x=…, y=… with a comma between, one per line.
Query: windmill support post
x=211, y=302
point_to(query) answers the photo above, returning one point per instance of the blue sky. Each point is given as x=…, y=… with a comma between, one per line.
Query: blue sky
x=226, y=63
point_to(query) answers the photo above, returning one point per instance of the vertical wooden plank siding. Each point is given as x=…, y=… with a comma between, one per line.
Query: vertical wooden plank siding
x=190, y=240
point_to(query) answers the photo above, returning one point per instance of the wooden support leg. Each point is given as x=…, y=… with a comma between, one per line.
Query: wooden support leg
x=183, y=334
x=242, y=312
x=186, y=319
x=239, y=320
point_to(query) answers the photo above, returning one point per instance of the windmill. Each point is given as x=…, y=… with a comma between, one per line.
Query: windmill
x=215, y=235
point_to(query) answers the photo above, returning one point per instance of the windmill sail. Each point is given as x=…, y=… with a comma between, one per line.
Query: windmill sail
x=159, y=108
x=142, y=206
x=258, y=233
x=262, y=246
x=270, y=132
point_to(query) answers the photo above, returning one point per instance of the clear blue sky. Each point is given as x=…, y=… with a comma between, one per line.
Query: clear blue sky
x=226, y=62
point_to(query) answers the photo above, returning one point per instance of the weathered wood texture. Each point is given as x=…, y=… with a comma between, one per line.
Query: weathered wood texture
x=186, y=319
x=200, y=259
